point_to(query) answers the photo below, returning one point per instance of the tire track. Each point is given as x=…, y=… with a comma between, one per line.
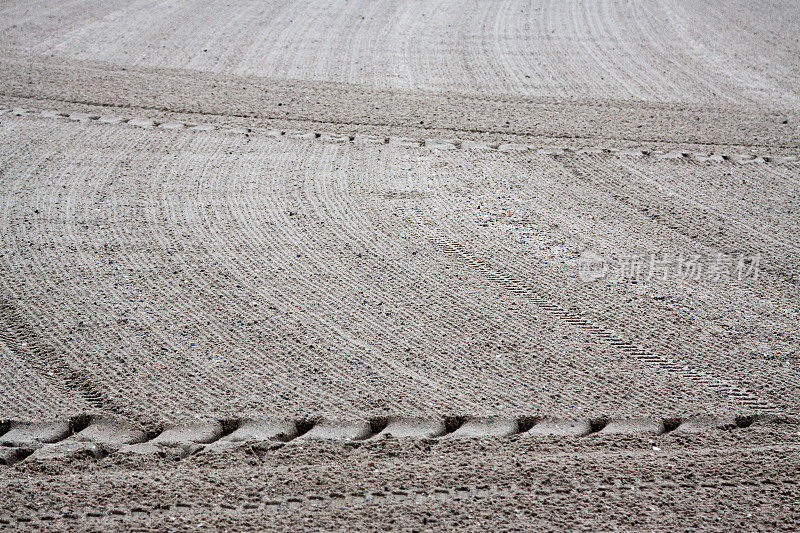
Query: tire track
x=723, y=386
x=425, y=143
x=516, y=260
x=507, y=339
x=575, y=318
x=347, y=196
x=18, y=336
x=96, y=437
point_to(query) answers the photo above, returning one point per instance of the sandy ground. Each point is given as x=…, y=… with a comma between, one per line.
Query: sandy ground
x=724, y=480
x=360, y=210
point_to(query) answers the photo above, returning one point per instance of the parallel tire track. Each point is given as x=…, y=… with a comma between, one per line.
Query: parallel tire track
x=24, y=342
x=86, y=435
x=447, y=144
x=201, y=240
x=676, y=366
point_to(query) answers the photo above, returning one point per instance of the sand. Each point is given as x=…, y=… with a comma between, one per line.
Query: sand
x=351, y=220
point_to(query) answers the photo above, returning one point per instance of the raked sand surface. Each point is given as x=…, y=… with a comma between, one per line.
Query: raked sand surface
x=324, y=265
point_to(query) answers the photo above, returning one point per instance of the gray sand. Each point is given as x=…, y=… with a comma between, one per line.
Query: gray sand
x=242, y=246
